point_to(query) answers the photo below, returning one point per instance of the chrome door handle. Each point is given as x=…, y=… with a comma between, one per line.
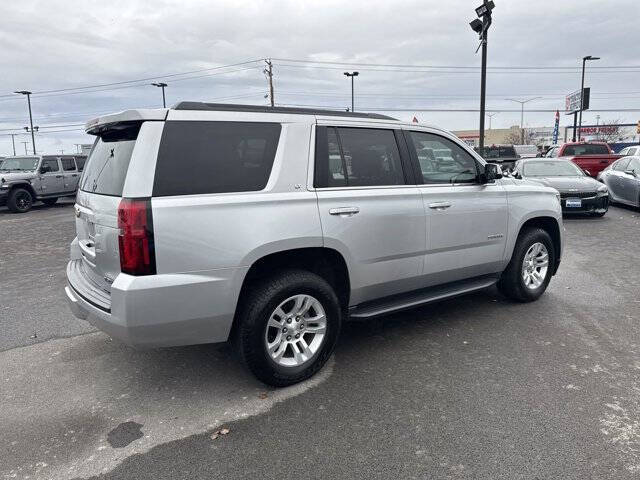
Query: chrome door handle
x=344, y=211
x=439, y=205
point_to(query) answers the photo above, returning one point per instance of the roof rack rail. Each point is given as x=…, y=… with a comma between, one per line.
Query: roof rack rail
x=231, y=107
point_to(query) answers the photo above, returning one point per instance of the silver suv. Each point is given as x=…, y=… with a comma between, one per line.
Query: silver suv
x=23, y=180
x=271, y=226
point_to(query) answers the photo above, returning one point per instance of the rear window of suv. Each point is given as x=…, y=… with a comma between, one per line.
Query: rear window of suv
x=106, y=168
x=215, y=157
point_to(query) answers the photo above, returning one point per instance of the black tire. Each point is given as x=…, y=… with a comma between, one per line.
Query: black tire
x=49, y=201
x=511, y=283
x=20, y=200
x=255, y=308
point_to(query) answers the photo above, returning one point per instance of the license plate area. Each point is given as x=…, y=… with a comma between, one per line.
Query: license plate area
x=573, y=203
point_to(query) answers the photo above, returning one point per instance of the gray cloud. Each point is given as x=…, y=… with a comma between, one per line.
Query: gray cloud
x=61, y=44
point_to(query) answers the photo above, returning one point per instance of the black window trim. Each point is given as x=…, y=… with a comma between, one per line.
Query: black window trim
x=321, y=157
x=416, y=163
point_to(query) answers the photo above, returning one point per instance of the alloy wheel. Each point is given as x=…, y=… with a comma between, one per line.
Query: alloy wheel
x=295, y=331
x=535, y=265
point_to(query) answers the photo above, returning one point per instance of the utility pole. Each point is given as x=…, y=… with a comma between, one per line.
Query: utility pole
x=33, y=138
x=13, y=143
x=269, y=72
x=352, y=75
x=61, y=152
x=25, y=147
x=584, y=61
x=522, y=102
x=161, y=85
x=481, y=27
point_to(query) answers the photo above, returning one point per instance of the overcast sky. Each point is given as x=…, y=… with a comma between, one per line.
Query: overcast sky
x=54, y=45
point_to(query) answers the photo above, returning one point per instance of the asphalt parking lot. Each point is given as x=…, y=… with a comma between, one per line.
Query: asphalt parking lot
x=476, y=387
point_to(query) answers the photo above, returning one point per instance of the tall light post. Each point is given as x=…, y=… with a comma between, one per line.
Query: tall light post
x=25, y=147
x=491, y=115
x=161, y=85
x=481, y=27
x=352, y=74
x=13, y=142
x=33, y=138
x=584, y=61
x=522, y=102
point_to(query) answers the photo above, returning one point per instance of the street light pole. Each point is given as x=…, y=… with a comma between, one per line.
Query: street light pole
x=491, y=115
x=352, y=74
x=584, y=61
x=161, y=85
x=33, y=138
x=25, y=147
x=522, y=102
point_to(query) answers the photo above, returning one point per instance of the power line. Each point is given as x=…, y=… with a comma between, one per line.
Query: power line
x=146, y=79
x=533, y=67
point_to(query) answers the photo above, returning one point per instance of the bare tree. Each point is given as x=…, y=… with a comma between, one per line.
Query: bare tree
x=514, y=137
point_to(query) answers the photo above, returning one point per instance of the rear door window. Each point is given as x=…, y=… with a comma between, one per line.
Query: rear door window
x=357, y=157
x=68, y=164
x=107, y=166
x=215, y=157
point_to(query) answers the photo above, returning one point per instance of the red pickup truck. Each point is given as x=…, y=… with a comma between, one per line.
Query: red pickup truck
x=592, y=157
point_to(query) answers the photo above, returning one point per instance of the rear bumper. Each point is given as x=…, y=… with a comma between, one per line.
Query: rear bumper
x=596, y=204
x=161, y=310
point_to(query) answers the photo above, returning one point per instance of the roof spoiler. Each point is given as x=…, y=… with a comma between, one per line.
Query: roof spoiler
x=105, y=122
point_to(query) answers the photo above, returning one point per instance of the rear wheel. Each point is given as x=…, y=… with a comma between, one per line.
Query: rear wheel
x=288, y=326
x=49, y=201
x=20, y=200
x=529, y=271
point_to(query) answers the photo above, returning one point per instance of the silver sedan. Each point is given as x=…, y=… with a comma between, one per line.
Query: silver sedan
x=622, y=178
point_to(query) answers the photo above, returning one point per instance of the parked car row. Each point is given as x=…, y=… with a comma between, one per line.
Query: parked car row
x=26, y=179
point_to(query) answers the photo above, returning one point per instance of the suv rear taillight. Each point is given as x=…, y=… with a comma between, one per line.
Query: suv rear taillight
x=137, y=251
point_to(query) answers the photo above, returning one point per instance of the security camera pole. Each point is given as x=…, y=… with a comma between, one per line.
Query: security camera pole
x=482, y=29
x=161, y=85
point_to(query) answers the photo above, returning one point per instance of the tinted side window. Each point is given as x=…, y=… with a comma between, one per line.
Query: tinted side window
x=51, y=164
x=68, y=164
x=443, y=161
x=621, y=164
x=215, y=157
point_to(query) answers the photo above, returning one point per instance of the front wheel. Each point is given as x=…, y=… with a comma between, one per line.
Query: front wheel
x=529, y=271
x=287, y=327
x=20, y=200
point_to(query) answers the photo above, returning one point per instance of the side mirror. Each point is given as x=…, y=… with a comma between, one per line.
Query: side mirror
x=631, y=172
x=491, y=173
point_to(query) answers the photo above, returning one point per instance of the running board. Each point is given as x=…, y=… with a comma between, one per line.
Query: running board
x=420, y=297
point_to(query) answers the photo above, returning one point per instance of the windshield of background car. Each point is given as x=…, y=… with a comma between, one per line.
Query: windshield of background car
x=550, y=169
x=586, y=149
x=107, y=166
x=19, y=164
